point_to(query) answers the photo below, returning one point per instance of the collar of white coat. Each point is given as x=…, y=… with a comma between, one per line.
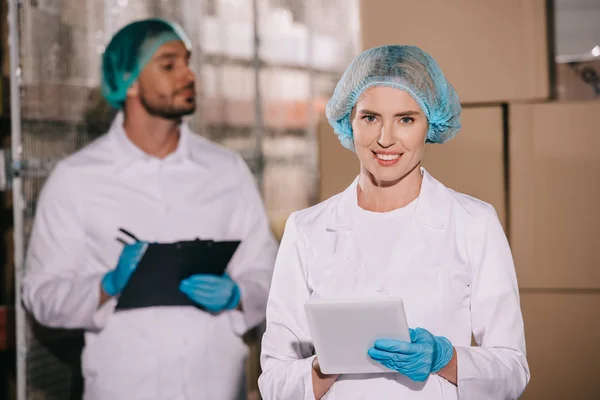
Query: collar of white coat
x=126, y=152
x=432, y=206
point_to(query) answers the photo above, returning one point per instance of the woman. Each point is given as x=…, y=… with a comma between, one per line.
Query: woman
x=398, y=232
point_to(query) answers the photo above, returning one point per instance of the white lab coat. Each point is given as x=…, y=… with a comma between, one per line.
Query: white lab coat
x=453, y=268
x=201, y=190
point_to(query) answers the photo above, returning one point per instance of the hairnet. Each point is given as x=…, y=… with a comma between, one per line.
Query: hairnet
x=407, y=68
x=129, y=51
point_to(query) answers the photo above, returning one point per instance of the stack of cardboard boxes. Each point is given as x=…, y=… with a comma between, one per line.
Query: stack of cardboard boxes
x=534, y=158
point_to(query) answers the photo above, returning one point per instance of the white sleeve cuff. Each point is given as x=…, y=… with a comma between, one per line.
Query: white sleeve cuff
x=103, y=312
x=238, y=322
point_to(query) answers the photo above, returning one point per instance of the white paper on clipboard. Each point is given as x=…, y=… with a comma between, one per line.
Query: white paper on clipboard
x=344, y=330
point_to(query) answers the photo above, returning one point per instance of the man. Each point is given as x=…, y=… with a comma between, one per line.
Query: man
x=158, y=180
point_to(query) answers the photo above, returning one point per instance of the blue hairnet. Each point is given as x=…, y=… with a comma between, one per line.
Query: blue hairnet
x=129, y=51
x=407, y=68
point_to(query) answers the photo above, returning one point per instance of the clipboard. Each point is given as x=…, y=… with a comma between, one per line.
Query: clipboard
x=155, y=281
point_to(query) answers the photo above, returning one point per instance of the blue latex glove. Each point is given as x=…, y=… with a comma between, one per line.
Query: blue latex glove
x=114, y=281
x=214, y=293
x=425, y=354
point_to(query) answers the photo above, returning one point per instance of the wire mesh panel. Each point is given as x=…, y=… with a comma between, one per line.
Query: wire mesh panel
x=265, y=68
x=56, y=95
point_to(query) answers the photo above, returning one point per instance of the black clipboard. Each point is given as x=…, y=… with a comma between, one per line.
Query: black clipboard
x=155, y=281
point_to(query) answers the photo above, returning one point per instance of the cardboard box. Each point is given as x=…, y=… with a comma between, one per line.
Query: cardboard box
x=473, y=161
x=489, y=50
x=561, y=330
x=555, y=194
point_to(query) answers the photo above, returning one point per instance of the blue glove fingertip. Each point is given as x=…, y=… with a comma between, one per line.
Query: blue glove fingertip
x=189, y=290
x=186, y=281
x=374, y=353
x=203, y=279
x=141, y=249
x=186, y=287
x=413, y=334
x=394, y=346
x=371, y=354
x=380, y=344
x=419, y=335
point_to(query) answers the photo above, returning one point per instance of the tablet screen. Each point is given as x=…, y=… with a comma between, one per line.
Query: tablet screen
x=344, y=330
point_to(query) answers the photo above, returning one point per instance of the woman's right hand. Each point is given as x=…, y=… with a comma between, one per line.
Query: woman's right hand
x=321, y=381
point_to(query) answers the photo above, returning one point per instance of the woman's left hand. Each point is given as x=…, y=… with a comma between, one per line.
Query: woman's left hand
x=424, y=355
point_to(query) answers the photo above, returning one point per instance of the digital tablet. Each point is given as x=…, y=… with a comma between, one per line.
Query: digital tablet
x=344, y=330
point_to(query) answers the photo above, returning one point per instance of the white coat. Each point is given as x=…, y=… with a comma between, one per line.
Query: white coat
x=453, y=268
x=201, y=190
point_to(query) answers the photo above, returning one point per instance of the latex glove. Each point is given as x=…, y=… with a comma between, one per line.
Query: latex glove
x=114, y=281
x=214, y=293
x=425, y=354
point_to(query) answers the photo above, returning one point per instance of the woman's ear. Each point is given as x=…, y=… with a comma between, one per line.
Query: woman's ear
x=133, y=90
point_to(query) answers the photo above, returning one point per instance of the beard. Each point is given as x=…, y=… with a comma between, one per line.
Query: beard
x=166, y=108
